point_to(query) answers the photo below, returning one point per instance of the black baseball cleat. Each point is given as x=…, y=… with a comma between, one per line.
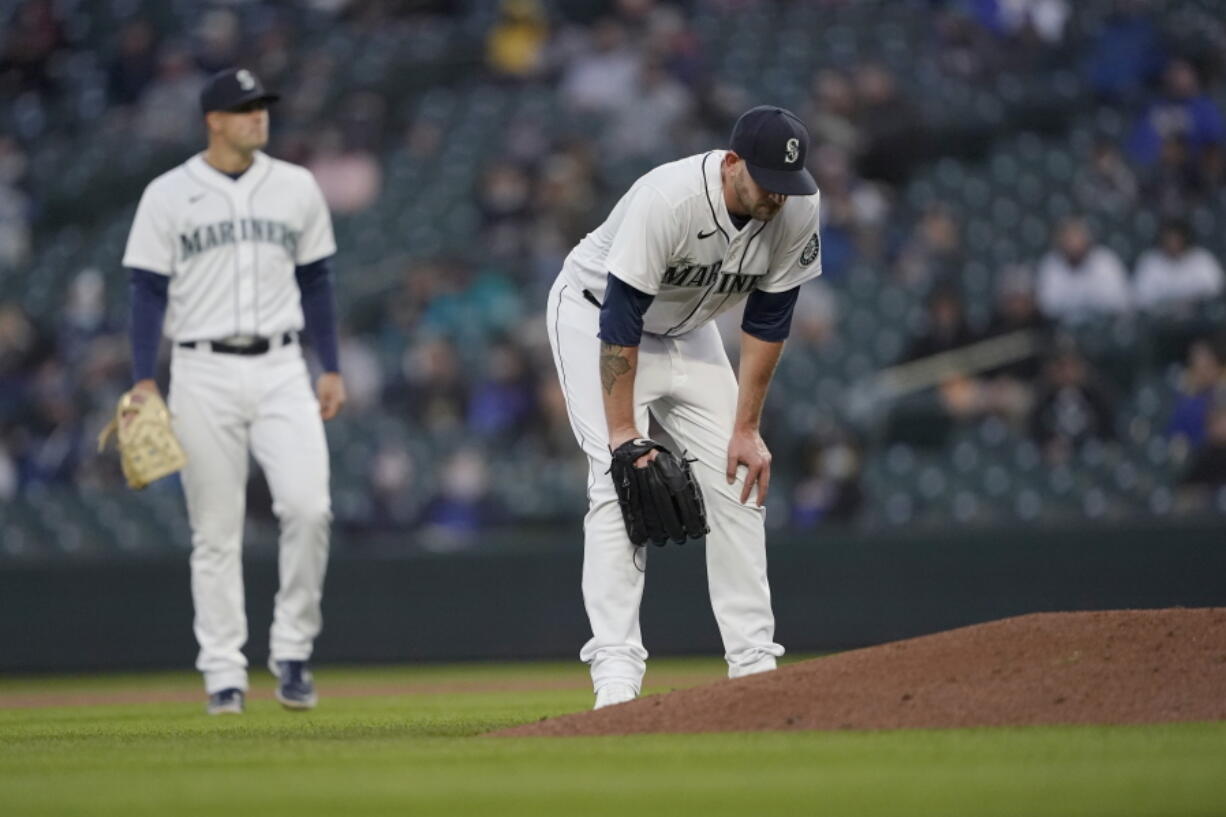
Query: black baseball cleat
x=295, y=686
x=226, y=702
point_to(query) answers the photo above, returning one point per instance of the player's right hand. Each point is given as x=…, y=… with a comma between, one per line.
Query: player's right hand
x=747, y=448
x=137, y=396
x=148, y=385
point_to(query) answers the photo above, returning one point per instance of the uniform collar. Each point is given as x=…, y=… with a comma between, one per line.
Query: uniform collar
x=716, y=206
x=214, y=175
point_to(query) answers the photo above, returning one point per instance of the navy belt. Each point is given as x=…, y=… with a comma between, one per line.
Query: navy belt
x=258, y=347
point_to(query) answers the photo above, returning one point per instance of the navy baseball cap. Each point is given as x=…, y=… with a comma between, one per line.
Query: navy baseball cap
x=774, y=144
x=231, y=88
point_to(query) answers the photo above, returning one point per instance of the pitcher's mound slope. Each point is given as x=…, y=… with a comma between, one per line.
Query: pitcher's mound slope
x=1121, y=666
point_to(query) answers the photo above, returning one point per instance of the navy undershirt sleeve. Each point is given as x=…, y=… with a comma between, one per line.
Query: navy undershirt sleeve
x=768, y=315
x=319, y=311
x=149, y=297
x=621, y=314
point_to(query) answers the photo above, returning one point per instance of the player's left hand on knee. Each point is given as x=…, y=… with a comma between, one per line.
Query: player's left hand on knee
x=747, y=448
x=330, y=389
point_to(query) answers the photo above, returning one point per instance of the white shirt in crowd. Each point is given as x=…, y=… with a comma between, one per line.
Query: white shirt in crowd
x=1098, y=286
x=1162, y=279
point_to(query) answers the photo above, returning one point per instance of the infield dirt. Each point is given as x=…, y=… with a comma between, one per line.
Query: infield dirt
x=1111, y=667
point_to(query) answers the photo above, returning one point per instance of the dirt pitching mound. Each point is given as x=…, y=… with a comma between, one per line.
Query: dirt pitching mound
x=1122, y=666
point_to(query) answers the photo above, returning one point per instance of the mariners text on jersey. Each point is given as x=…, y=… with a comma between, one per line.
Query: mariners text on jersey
x=671, y=236
x=694, y=275
x=211, y=236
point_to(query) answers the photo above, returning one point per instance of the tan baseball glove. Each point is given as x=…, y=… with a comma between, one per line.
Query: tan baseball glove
x=148, y=449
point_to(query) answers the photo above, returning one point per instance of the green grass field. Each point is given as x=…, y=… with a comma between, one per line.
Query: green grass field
x=419, y=751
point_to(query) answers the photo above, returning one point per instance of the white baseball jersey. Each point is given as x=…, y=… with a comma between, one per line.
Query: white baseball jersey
x=670, y=236
x=230, y=246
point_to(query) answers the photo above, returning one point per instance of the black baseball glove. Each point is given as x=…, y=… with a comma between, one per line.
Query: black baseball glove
x=659, y=502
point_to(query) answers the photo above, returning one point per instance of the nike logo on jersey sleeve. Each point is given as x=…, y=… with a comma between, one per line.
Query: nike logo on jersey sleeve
x=702, y=235
x=195, y=198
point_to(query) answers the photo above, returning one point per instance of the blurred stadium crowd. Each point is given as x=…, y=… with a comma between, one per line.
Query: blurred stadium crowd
x=1036, y=169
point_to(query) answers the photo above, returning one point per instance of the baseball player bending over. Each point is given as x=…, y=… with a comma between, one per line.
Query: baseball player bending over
x=228, y=256
x=630, y=323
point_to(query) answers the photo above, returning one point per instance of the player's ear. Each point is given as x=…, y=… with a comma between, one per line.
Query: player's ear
x=731, y=158
x=212, y=122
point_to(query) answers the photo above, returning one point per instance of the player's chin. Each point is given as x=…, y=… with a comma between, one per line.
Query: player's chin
x=765, y=212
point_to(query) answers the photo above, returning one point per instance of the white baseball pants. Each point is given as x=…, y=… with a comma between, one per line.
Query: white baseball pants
x=687, y=384
x=223, y=406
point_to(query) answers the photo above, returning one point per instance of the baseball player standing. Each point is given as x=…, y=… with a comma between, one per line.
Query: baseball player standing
x=228, y=257
x=630, y=323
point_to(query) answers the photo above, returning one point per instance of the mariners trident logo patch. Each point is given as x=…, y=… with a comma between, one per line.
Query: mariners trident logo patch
x=809, y=254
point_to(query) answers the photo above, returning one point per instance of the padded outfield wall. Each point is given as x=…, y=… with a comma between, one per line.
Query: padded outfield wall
x=831, y=591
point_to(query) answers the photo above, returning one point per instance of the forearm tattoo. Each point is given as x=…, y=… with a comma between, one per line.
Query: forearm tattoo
x=612, y=365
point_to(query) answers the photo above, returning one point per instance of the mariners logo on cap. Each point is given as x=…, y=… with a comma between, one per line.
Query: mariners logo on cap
x=793, y=153
x=245, y=79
